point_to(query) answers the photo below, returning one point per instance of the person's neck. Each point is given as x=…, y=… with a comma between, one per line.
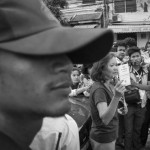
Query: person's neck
x=20, y=129
x=109, y=85
x=136, y=67
x=107, y=82
x=121, y=59
x=75, y=83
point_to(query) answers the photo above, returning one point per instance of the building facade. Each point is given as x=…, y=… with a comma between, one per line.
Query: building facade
x=130, y=18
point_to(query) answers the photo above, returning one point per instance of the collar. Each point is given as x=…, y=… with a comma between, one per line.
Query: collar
x=144, y=69
x=119, y=62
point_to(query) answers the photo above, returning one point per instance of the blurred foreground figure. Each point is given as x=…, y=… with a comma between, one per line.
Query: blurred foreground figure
x=60, y=133
x=36, y=56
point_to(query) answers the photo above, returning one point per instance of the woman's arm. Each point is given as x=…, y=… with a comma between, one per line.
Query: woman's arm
x=81, y=90
x=75, y=92
x=106, y=113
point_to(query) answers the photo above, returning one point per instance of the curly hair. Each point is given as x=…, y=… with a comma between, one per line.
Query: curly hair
x=97, y=73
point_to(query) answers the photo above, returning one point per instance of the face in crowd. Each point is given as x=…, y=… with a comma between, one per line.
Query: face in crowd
x=136, y=59
x=121, y=52
x=32, y=84
x=75, y=76
x=105, y=69
x=111, y=69
x=148, y=48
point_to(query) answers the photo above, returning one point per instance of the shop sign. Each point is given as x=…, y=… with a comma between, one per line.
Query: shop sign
x=129, y=29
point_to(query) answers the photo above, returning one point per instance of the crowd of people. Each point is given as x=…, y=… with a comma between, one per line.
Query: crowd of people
x=36, y=59
x=43, y=63
x=117, y=124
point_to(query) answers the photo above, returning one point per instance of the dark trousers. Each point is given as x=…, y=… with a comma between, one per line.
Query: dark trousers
x=146, y=124
x=133, y=123
x=120, y=139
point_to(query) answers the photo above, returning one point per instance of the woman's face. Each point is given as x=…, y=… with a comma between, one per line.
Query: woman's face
x=111, y=69
x=75, y=76
x=148, y=47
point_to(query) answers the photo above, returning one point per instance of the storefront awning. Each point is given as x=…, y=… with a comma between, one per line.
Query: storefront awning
x=130, y=28
x=85, y=26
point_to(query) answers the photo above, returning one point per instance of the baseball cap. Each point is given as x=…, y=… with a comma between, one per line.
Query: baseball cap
x=26, y=28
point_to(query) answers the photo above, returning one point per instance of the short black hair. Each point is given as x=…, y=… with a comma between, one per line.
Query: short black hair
x=120, y=43
x=132, y=50
x=85, y=68
x=130, y=42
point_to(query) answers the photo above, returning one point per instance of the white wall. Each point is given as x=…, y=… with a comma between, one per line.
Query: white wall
x=141, y=42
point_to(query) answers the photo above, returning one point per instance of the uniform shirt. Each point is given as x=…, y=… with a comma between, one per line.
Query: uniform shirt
x=60, y=133
x=141, y=77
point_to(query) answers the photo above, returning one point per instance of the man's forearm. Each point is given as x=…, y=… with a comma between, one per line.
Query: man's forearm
x=143, y=87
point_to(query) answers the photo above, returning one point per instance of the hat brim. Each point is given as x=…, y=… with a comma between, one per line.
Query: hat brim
x=81, y=45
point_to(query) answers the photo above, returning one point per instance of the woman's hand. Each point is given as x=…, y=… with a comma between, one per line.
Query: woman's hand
x=123, y=110
x=119, y=89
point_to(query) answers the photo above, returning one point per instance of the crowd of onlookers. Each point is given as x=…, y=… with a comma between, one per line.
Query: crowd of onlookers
x=99, y=82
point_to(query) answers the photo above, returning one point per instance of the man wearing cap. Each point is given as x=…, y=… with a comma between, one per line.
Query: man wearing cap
x=36, y=56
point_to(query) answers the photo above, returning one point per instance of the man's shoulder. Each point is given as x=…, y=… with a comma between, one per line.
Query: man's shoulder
x=53, y=124
x=52, y=128
x=58, y=124
x=6, y=143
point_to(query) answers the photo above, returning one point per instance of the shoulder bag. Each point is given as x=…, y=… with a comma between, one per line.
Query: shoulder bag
x=132, y=96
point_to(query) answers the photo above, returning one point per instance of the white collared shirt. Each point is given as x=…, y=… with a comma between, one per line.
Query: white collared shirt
x=47, y=137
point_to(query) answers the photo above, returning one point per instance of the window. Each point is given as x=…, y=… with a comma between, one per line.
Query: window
x=122, y=6
x=143, y=35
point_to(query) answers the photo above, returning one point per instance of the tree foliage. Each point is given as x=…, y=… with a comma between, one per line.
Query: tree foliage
x=55, y=6
x=58, y=3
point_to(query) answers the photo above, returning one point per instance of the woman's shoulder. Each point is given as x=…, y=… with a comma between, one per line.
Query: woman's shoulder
x=97, y=85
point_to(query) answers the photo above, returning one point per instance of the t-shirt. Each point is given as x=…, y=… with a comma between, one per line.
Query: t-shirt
x=59, y=133
x=99, y=131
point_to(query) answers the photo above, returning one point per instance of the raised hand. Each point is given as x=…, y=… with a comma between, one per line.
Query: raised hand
x=119, y=89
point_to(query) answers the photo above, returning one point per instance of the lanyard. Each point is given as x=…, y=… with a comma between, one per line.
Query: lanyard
x=138, y=76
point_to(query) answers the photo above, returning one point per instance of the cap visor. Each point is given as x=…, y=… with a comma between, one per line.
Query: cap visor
x=81, y=45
